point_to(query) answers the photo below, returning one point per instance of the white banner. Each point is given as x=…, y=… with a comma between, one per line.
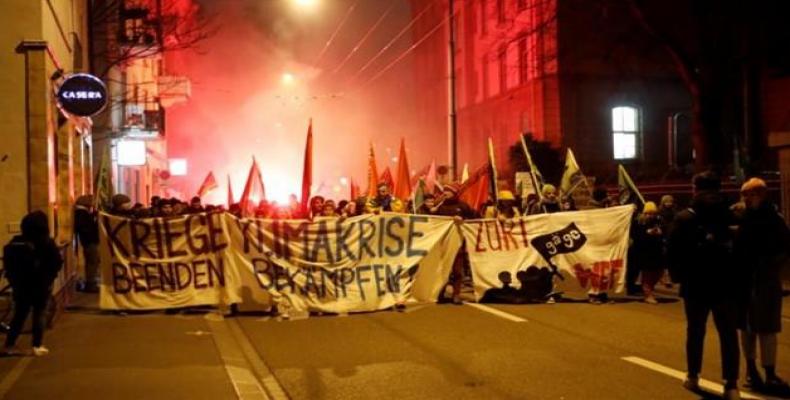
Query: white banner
x=156, y=263
x=511, y=260
x=363, y=263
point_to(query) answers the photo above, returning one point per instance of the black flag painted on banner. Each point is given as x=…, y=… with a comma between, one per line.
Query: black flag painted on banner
x=563, y=241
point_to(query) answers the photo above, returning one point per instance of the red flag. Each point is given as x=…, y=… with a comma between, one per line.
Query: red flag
x=373, y=175
x=475, y=191
x=386, y=177
x=421, y=174
x=209, y=184
x=230, y=193
x=254, y=190
x=403, y=179
x=307, y=171
x=430, y=178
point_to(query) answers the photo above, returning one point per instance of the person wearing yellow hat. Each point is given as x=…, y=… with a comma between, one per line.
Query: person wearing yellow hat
x=646, y=254
x=761, y=248
x=505, y=208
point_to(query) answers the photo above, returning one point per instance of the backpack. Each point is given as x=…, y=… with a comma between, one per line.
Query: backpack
x=21, y=262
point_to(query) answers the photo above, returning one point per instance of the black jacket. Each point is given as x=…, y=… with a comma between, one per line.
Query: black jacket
x=32, y=260
x=86, y=226
x=761, y=247
x=700, y=250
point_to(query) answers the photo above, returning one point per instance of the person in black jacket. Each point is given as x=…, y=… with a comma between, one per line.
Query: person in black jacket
x=761, y=248
x=32, y=261
x=86, y=228
x=449, y=205
x=701, y=260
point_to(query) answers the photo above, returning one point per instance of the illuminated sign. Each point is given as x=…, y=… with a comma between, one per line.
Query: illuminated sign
x=131, y=153
x=178, y=166
x=83, y=95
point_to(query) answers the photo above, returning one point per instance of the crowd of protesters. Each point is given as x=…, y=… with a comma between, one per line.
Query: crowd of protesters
x=726, y=258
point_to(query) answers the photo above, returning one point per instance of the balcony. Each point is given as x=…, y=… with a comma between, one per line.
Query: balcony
x=142, y=123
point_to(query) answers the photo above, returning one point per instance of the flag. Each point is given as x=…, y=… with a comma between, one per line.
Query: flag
x=572, y=176
x=403, y=178
x=373, y=175
x=465, y=173
x=430, y=178
x=627, y=191
x=307, y=170
x=230, y=193
x=536, y=176
x=103, y=190
x=355, y=192
x=419, y=196
x=209, y=184
x=492, y=174
x=254, y=190
x=421, y=174
x=386, y=178
x=475, y=191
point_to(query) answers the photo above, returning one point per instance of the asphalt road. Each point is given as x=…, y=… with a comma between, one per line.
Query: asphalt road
x=626, y=350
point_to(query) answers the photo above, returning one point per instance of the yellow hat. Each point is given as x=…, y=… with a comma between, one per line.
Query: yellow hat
x=650, y=208
x=548, y=188
x=753, y=184
x=506, y=195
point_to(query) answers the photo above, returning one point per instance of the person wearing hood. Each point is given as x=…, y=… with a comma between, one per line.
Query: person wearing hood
x=761, y=248
x=701, y=261
x=121, y=205
x=384, y=201
x=32, y=262
x=86, y=229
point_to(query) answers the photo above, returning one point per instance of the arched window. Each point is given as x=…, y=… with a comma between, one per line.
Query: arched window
x=625, y=129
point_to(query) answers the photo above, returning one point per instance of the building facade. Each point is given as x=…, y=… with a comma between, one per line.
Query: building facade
x=45, y=159
x=559, y=70
x=131, y=38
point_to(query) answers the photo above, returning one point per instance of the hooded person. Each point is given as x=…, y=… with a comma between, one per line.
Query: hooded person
x=32, y=262
x=86, y=229
x=647, y=250
x=761, y=248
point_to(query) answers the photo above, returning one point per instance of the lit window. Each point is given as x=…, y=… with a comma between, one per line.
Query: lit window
x=625, y=128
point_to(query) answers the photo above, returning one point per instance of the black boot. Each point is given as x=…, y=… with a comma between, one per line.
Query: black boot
x=753, y=378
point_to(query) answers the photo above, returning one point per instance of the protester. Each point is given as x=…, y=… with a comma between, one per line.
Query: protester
x=428, y=206
x=166, y=208
x=195, y=206
x=316, y=206
x=451, y=206
x=549, y=202
x=384, y=201
x=700, y=253
x=32, y=261
x=761, y=248
x=329, y=209
x=666, y=209
x=121, y=205
x=507, y=205
x=648, y=249
x=86, y=228
x=600, y=198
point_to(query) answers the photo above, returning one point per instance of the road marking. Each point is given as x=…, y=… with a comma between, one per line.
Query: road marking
x=498, y=313
x=703, y=383
x=270, y=383
x=245, y=384
x=16, y=372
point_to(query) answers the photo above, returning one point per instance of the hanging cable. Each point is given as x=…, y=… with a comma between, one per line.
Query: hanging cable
x=391, y=42
x=334, y=34
x=364, y=38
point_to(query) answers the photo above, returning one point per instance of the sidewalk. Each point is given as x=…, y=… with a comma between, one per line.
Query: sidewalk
x=100, y=355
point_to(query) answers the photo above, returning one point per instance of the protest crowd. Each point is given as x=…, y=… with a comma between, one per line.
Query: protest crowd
x=726, y=258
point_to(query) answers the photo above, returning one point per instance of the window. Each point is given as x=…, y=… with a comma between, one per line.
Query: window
x=625, y=128
x=483, y=19
x=523, y=73
x=500, y=11
x=522, y=5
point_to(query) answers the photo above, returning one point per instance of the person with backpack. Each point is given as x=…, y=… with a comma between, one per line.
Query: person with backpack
x=701, y=261
x=32, y=261
x=761, y=248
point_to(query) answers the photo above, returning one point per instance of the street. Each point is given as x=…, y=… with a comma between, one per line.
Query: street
x=569, y=350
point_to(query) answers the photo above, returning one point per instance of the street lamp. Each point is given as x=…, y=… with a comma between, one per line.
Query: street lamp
x=287, y=79
x=305, y=3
